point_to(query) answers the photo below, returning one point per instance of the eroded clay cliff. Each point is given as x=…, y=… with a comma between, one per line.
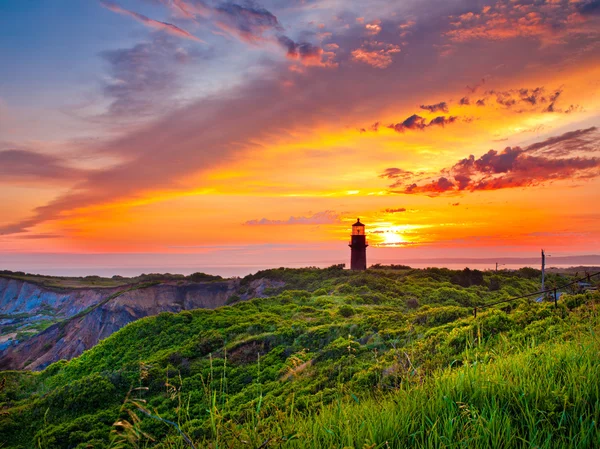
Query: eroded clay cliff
x=90, y=315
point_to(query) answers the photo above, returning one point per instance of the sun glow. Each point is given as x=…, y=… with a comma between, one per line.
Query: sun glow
x=394, y=235
x=392, y=239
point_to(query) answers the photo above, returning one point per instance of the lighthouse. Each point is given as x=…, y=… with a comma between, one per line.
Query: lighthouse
x=358, y=247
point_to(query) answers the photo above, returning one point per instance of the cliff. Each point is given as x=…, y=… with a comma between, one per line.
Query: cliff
x=83, y=317
x=21, y=297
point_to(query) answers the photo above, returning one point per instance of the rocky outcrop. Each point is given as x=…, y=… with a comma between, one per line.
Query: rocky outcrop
x=19, y=297
x=93, y=314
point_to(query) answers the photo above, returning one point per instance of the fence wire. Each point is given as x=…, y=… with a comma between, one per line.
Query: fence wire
x=588, y=277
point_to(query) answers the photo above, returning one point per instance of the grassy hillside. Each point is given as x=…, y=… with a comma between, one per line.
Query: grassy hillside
x=386, y=358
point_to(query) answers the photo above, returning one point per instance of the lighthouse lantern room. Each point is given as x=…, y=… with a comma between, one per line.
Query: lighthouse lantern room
x=358, y=246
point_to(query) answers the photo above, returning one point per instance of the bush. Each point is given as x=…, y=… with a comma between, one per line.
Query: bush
x=233, y=299
x=494, y=284
x=439, y=315
x=494, y=322
x=412, y=303
x=446, y=294
x=468, y=277
x=346, y=311
x=203, y=277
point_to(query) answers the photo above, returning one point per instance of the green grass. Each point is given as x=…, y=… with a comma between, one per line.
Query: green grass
x=349, y=361
x=544, y=397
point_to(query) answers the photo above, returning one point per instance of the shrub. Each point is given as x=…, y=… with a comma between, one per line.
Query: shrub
x=445, y=295
x=439, y=315
x=203, y=277
x=346, y=311
x=233, y=299
x=412, y=303
x=494, y=322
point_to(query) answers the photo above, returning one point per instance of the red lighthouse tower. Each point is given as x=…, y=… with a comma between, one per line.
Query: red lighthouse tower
x=358, y=247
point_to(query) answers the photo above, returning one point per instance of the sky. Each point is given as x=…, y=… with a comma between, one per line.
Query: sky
x=243, y=132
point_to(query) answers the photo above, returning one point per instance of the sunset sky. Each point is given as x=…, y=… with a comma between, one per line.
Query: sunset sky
x=257, y=132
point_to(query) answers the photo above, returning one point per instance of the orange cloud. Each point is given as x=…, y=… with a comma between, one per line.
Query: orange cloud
x=376, y=54
x=549, y=22
x=373, y=28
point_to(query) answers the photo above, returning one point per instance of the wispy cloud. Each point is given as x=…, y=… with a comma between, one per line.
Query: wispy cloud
x=254, y=25
x=325, y=217
x=30, y=166
x=395, y=211
x=164, y=26
x=249, y=23
x=40, y=236
x=396, y=173
x=581, y=140
x=145, y=78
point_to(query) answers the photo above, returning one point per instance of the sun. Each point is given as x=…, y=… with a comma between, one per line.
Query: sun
x=391, y=234
x=392, y=238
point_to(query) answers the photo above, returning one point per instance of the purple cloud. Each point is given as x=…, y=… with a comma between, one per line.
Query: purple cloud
x=439, y=107
x=164, y=26
x=25, y=165
x=416, y=122
x=514, y=167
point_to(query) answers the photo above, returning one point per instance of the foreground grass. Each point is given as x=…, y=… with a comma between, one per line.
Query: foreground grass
x=545, y=397
x=528, y=395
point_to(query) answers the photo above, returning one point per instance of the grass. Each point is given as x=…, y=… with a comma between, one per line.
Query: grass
x=542, y=396
x=354, y=364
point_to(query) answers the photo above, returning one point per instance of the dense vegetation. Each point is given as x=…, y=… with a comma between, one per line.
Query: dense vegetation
x=384, y=358
x=68, y=283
